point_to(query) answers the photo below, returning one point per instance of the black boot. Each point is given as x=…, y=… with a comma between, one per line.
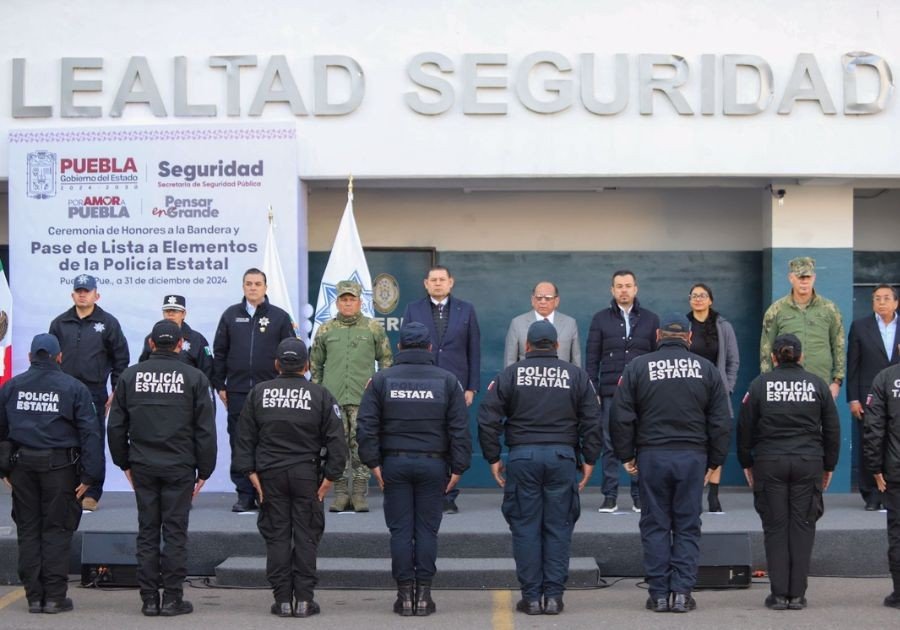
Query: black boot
x=404, y=605
x=424, y=604
x=713, y=498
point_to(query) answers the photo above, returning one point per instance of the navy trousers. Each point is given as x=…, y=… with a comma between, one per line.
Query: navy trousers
x=611, y=465
x=671, y=501
x=244, y=488
x=541, y=505
x=99, y=396
x=413, y=509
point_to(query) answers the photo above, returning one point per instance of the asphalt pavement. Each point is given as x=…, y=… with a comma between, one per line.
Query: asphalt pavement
x=833, y=603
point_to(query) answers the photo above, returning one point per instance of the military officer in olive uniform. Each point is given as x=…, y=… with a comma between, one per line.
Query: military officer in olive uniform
x=343, y=357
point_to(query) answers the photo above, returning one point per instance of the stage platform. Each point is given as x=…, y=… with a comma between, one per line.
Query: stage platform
x=850, y=541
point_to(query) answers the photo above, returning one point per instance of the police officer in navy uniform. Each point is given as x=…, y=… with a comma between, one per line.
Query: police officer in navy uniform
x=881, y=449
x=284, y=426
x=243, y=355
x=162, y=433
x=548, y=411
x=195, y=350
x=93, y=350
x=48, y=421
x=789, y=437
x=671, y=422
x=411, y=427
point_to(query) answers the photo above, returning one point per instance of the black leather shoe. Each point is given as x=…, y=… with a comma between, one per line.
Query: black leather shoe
x=872, y=506
x=151, y=606
x=529, y=607
x=450, y=507
x=245, y=504
x=282, y=609
x=35, y=606
x=553, y=605
x=60, y=605
x=173, y=607
x=776, y=602
x=424, y=605
x=682, y=603
x=891, y=601
x=796, y=603
x=306, y=609
x=404, y=605
x=659, y=604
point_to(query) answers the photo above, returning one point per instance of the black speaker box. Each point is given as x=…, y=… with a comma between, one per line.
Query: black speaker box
x=108, y=559
x=725, y=561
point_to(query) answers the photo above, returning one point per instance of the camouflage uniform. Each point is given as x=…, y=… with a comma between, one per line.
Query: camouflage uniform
x=818, y=326
x=342, y=359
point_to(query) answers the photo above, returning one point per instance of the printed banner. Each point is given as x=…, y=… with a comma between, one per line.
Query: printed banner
x=148, y=211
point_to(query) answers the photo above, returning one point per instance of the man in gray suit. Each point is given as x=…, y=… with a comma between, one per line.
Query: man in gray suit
x=545, y=300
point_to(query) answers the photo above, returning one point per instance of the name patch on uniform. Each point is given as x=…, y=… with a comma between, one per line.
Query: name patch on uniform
x=552, y=377
x=241, y=320
x=275, y=398
x=38, y=401
x=159, y=382
x=674, y=368
x=413, y=394
x=790, y=391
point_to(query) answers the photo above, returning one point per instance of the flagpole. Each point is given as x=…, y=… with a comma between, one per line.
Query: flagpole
x=271, y=215
x=350, y=187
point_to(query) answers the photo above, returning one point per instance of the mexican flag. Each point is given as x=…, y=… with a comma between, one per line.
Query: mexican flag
x=5, y=327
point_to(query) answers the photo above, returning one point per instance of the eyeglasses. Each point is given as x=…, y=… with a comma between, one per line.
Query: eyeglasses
x=699, y=296
x=544, y=298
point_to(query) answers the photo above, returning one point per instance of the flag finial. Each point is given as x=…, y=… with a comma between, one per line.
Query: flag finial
x=271, y=214
x=350, y=186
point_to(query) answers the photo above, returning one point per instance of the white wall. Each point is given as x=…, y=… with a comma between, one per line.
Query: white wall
x=385, y=138
x=639, y=219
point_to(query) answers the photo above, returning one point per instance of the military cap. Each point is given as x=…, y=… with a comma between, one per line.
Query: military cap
x=803, y=266
x=85, y=281
x=675, y=323
x=541, y=331
x=348, y=286
x=45, y=342
x=414, y=334
x=292, y=351
x=165, y=333
x=174, y=303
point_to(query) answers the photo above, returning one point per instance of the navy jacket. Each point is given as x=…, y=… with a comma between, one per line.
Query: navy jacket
x=93, y=348
x=460, y=349
x=609, y=351
x=866, y=356
x=414, y=406
x=541, y=400
x=45, y=408
x=244, y=347
x=671, y=399
x=195, y=350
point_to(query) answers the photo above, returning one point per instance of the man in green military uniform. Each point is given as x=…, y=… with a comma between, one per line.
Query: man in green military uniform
x=342, y=359
x=813, y=319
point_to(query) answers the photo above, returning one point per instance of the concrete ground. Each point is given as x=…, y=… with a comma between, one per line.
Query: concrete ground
x=834, y=603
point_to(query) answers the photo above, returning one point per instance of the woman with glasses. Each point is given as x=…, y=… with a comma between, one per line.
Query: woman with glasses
x=712, y=337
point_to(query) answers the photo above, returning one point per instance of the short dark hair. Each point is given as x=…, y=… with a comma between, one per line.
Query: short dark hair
x=886, y=286
x=438, y=268
x=664, y=334
x=552, y=284
x=253, y=271
x=622, y=272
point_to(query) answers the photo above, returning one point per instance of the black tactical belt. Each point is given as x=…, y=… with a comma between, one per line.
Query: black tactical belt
x=413, y=454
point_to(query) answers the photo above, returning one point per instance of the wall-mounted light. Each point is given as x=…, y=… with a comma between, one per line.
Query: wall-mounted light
x=777, y=193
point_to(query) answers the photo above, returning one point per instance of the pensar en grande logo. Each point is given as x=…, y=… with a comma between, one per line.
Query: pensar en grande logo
x=41, y=175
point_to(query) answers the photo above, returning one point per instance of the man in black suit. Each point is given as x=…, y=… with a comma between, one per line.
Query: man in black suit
x=872, y=347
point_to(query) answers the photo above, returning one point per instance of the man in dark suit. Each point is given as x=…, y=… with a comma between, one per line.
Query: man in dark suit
x=455, y=339
x=872, y=347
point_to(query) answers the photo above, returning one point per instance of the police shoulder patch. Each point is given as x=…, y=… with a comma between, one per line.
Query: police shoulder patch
x=337, y=410
x=619, y=381
x=491, y=386
x=869, y=400
x=745, y=398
